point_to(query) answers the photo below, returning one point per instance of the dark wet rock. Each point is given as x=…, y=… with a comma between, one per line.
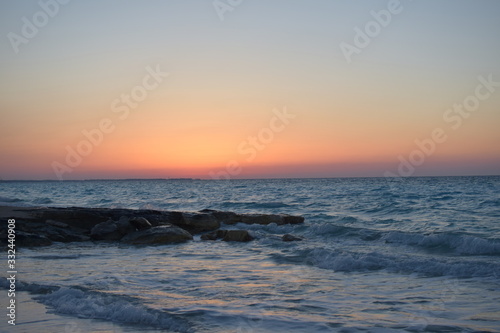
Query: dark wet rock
x=140, y=223
x=109, y=230
x=290, y=238
x=261, y=219
x=237, y=236
x=198, y=222
x=32, y=227
x=124, y=226
x=228, y=235
x=209, y=236
x=73, y=216
x=103, y=230
x=154, y=217
x=214, y=235
x=63, y=235
x=57, y=224
x=223, y=217
x=25, y=239
x=292, y=219
x=164, y=234
x=205, y=220
x=87, y=218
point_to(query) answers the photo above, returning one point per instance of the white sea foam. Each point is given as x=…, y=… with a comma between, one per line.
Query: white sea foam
x=87, y=304
x=338, y=260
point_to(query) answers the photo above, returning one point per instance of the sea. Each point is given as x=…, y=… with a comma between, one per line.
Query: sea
x=418, y=254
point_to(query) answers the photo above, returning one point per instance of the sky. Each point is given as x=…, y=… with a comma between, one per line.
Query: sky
x=249, y=89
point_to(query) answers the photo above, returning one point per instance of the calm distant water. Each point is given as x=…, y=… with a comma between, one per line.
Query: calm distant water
x=416, y=255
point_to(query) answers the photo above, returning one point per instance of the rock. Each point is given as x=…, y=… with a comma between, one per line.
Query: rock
x=164, y=234
x=223, y=217
x=32, y=227
x=290, y=238
x=124, y=226
x=57, y=224
x=25, y=239
x=63, y=235
x=214, y=235
x=292, y=219
x=85, y=218
x=228, y=235
x=73, y=237
x=237, y=236
x=192, y=222
x=109, y=230
x=140, y=223
x=209, y=236
x=198, y=222
x=261, y=219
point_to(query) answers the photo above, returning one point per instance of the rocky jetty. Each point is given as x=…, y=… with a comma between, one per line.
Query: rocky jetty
x=40, y=226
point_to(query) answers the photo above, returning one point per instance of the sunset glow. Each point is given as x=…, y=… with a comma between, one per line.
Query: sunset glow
x=166, y=89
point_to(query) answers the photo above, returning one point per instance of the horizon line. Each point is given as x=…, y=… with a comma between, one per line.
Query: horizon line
x=230, y=179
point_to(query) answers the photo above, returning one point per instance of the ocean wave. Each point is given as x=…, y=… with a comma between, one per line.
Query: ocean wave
x=271, y=228
x=443, y=197
x=95, y=305
x=336, y=230
x=452, y=242
x=42, y=201
x=9, y=200
x=345, y=261
x=57, y=257
x=386, y=208
x=328, y=229
x=442, y=242
x=490, y=203
x=33, y=288
x=254, y=205
x=88, y=304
